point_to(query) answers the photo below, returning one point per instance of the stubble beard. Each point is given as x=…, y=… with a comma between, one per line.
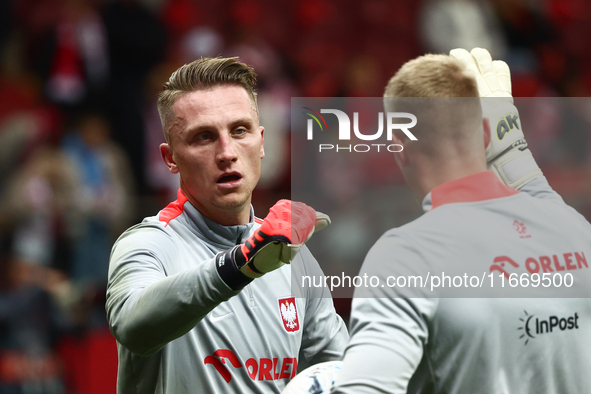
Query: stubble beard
x=233, y=204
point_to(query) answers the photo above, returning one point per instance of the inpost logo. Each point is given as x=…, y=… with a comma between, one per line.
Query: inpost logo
x=533, y=326
x=344, y=130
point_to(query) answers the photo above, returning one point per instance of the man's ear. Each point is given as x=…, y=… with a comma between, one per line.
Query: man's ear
x=401, y=157
x=486, y=127
x=166, y=153
x=262, y=129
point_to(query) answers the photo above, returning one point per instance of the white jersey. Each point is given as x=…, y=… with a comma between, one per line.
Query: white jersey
x=477, y=345
x=181, y=329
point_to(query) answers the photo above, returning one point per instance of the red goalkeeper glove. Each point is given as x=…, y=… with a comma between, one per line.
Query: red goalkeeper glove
x=281, y=236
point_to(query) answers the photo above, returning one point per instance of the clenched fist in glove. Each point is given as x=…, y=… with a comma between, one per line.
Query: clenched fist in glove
x=507, y=154
x=275, y=243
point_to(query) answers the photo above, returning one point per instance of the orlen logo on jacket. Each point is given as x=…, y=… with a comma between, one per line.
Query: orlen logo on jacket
x=263, y=369
x=344, y=132
x=542, y=264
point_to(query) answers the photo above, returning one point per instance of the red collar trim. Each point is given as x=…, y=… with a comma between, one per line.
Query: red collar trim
x=472, y=188
x=174, y=209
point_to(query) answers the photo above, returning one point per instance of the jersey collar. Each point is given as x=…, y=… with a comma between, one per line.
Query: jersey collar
x=480, y=186
x=206, y=228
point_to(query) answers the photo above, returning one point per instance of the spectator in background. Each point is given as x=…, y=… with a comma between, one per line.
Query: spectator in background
x=74, y=57
x=448, y=24
x=102, y=197
x=136, y=42
x=6, y=18
x=37, y=294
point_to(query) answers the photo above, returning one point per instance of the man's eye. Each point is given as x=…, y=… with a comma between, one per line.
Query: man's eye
x=240, y=131
x=204, y=136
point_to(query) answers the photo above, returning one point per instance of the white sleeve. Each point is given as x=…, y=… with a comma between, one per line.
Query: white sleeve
x=388, y=332
x=540, y=188
x=387, y=341
x=146, y=308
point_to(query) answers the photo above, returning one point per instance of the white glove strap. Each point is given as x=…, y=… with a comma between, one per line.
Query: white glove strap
x=516, y=168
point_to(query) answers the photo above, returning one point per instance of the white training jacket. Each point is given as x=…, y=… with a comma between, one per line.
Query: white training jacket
x=426, y=344
x=181, y=329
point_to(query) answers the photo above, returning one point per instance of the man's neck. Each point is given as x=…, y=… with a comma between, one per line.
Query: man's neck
x=432, y=176
x=232, y=216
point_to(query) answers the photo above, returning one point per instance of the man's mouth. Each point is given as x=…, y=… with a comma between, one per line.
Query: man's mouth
x=228, y=178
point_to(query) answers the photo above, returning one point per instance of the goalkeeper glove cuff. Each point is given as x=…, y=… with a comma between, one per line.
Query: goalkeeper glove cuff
x=229, y=271
x=516, y=167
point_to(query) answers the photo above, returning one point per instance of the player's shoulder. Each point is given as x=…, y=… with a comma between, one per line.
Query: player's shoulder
x=555, y=208
x=435, y=230
x=150, y=233
x=400, y=244
x=434, y=221
x=467, y=214
x=150, y=224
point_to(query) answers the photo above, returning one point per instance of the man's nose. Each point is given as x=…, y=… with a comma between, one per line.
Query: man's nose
x=226, y=151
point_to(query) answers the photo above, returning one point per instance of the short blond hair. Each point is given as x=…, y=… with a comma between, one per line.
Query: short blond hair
x=432, y=76
x=202, y=74
x=443, y=93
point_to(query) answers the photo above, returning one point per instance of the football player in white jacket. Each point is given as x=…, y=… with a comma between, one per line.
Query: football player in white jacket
x=199, y=296
x=487, y=211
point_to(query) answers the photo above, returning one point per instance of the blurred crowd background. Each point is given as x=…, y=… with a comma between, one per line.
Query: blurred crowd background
x=79, y=131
